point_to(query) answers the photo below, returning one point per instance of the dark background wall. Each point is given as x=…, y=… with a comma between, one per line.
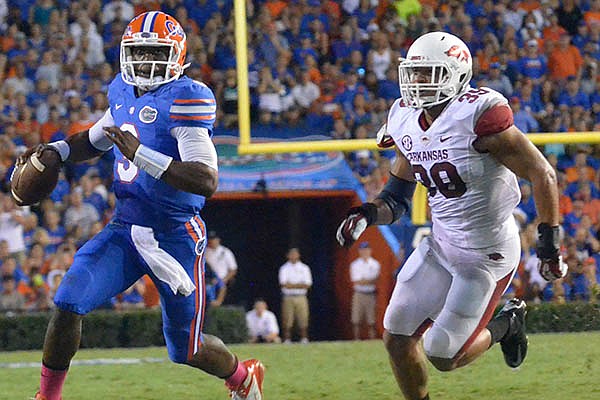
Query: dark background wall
x=259, y=230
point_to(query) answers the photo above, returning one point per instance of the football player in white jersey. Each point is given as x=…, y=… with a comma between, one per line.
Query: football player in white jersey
x=460, y=143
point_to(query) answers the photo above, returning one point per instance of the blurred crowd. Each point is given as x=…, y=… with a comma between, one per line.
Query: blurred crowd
x=315, y=67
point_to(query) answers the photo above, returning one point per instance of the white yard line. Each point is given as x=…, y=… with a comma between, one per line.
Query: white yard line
x=95, y=361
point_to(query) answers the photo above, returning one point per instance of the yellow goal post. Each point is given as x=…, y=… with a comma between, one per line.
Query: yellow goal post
x=247, y=147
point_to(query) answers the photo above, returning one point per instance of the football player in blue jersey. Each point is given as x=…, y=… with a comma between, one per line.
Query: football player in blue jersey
x=159, y=126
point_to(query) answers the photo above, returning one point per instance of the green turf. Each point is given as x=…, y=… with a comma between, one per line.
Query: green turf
x=565, y=366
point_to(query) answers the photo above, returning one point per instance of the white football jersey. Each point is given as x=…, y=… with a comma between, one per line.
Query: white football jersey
x=471, y=195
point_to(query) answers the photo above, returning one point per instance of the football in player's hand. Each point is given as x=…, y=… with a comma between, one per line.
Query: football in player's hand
x=35, y=178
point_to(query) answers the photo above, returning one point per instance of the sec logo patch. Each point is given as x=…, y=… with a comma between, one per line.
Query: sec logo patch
x=148, y=114
x=407, y=142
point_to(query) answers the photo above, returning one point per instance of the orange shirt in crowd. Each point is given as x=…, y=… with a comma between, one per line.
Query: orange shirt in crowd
x=24, y=128
x=563, y=63
x=431, y=3
x=529, y=6
x=146, y=5
x=79, y=126
x=151, y=295
x=591, y=209
x=552, y=34
x=573, y=174
x=565, y=205
x=275, y=7
x=48, y=129
x=591, y=17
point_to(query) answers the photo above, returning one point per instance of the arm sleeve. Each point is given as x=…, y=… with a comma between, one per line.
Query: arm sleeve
x=494, y=120
x=97, y=137
x=193, y=106
x=194, y=144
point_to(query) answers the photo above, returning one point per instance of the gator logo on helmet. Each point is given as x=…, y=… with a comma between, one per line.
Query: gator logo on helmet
x=174, y=29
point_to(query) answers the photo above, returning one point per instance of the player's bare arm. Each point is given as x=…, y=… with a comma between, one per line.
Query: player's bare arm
x=512, y=148
x=189, y=176
x=390, y=204
x=81, y=147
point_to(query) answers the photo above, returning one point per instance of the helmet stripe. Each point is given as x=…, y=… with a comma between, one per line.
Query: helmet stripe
x=148, y=21
x=153, y=22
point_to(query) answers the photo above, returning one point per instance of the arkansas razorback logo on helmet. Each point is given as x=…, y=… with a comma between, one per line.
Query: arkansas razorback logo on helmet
x=456, y=51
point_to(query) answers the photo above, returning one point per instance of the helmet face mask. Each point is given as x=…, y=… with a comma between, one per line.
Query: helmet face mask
x=152, y=55
x=437, y=69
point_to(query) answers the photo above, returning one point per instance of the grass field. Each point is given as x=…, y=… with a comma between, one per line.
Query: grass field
x=558, y=367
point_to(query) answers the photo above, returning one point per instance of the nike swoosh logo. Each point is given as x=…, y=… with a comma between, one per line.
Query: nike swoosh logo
x=117, y=106
x=443, y=139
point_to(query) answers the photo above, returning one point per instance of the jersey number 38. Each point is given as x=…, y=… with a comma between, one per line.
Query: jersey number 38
x=445, y=179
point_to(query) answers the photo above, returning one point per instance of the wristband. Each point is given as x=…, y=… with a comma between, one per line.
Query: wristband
x=153, y=162
x=63, y=149
x=548, y=243
x=369, y=210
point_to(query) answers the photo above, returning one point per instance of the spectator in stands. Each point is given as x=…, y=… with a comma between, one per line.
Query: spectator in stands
x=523, y=119
x=364, y=273
x=229, y=102
x=262, y=324
x=19, y=83
x=533, y=65
x=295, y=280
x=569, y=15
x=215, y=288
x=529, y=98
x=364, y=166
x=572, y=220
x=573, y=96
x=12, y=220
x=131, y=298
x=305, y=92
x=498, y=81
x=565, y=60
x=10, y=298
x=80, y=216
x=527, y=204
x=221, y=259
x=580, y=272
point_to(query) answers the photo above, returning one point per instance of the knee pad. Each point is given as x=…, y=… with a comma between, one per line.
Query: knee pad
x=438, y=343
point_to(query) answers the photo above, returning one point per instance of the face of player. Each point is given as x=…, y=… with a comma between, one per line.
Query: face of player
x=150, y=53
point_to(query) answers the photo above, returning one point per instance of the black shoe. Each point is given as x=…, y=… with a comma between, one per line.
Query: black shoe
x=514, y=344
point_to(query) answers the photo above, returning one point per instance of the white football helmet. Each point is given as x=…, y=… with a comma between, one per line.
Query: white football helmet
x=445, y=62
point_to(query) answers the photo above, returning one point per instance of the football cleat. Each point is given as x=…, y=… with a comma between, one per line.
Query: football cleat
x=514, y=344
x=251, y=388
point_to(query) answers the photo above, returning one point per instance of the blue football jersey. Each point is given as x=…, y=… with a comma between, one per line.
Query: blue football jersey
x=142, y=199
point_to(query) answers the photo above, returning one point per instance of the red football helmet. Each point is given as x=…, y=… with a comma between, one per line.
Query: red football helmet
x=153, y=29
